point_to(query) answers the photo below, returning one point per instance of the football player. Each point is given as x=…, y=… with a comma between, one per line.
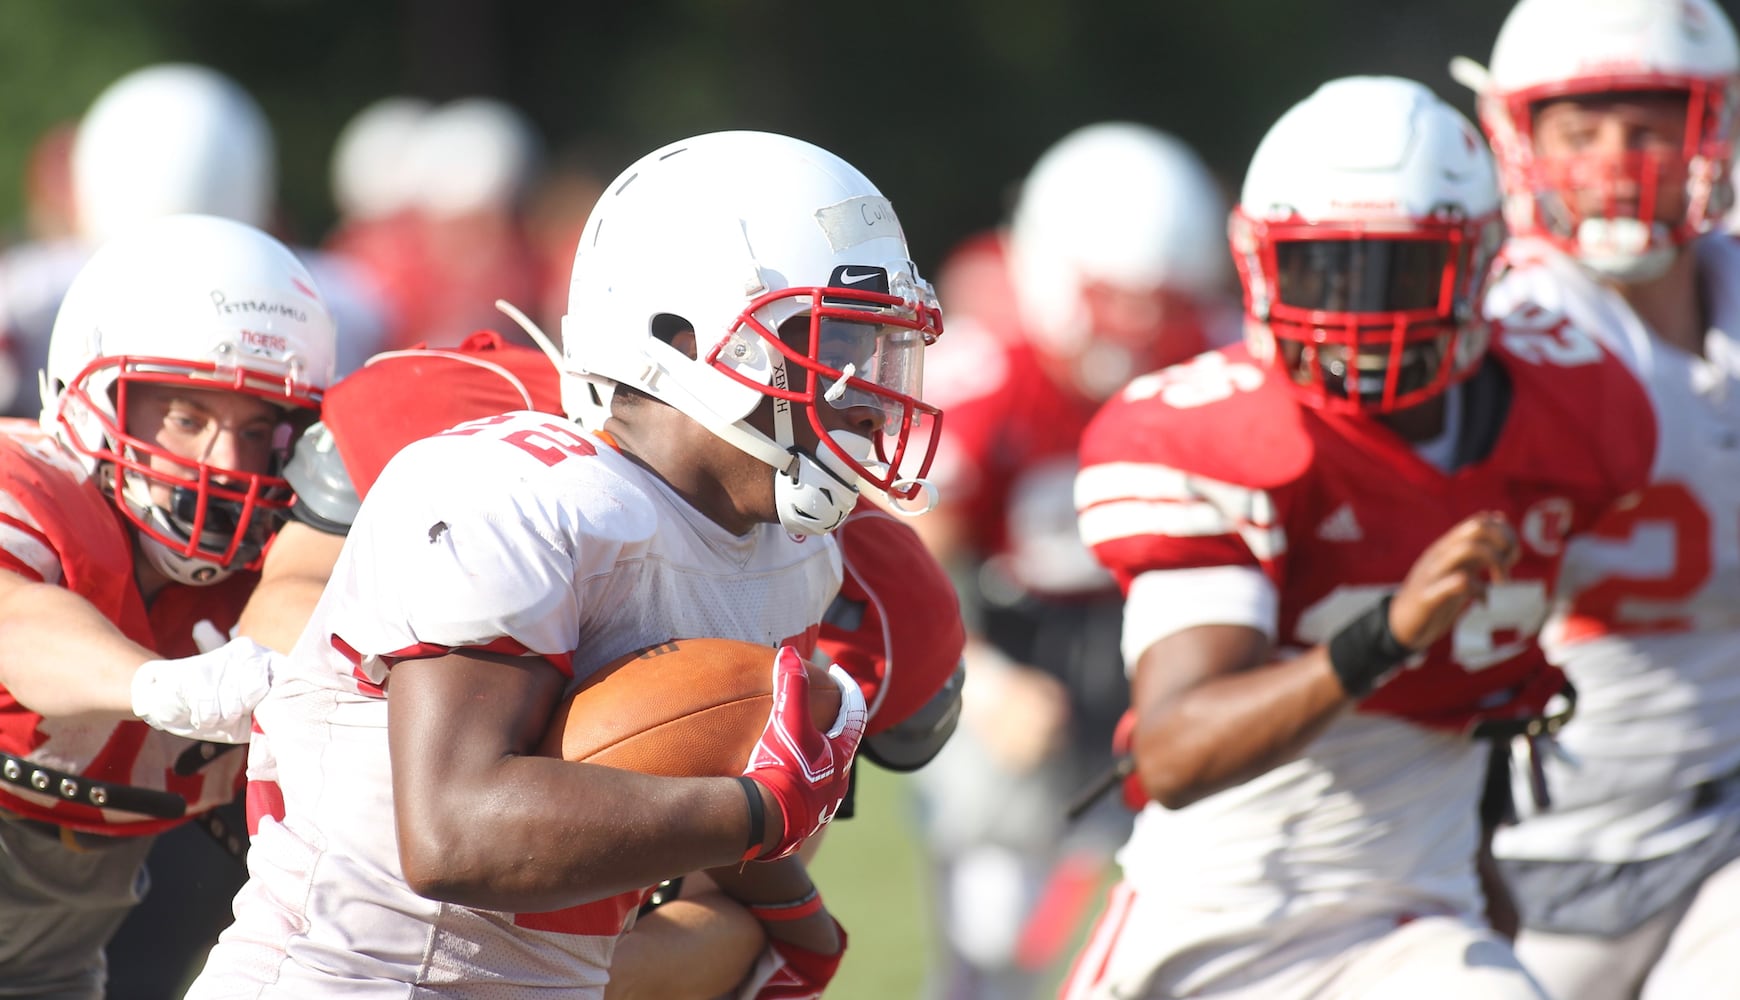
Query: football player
x=1110, y=267
x=1613, y=124
x=183, y=359
x=1336, y=546
x=166, y=139
x=396, y=398
x=895, y=626
x=745, y=306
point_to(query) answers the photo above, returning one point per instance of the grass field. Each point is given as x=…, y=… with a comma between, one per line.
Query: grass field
x=874, y=879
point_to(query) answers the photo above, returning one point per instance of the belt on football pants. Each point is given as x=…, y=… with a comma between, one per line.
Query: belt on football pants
x=1533, y=725
x=85, y=791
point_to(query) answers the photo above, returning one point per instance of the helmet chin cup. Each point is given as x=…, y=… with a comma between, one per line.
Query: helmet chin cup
x=191, y=571
x=1628, y=251
x=817, y=494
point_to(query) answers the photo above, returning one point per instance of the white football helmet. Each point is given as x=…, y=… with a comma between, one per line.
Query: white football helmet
x=1115, y=206
x=1364, y=238
x=471, y=155
x=169, y=139
x=1550, y=49
x=194, y=301
x=733, y=234
x=369, y=158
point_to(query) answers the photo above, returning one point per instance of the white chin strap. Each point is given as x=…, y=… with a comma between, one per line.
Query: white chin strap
x=816, y=496
x=813, y=495
x=1624, y=250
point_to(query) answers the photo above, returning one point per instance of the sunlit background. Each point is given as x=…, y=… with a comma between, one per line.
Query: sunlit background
x=945, y=105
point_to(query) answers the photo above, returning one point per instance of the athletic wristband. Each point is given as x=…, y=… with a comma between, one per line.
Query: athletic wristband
x=796, y=909
x=1365, y=651
x=757, y=818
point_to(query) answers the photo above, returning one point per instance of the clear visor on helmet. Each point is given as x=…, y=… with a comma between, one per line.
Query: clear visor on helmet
x=859, y=346
x=888, y=357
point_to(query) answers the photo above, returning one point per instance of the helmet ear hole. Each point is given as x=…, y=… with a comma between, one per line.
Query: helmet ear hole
x=666, y=326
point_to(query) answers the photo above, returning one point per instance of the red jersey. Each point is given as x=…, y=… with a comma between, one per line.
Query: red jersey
x=1006, y=460
x=57, y=527
x=403, y=396
x=1010, y=438
x=1215, y=463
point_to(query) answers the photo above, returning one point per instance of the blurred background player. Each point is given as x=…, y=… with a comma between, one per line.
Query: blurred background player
x=377, y=224
x=1336, y=546
x=35, y=272
x=165, y=139
x=694, y=513
x=129, y=516
x=432, y=201
x=1111, y=266
x=1613, y=122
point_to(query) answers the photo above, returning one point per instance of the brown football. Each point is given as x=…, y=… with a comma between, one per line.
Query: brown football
x=686, y=708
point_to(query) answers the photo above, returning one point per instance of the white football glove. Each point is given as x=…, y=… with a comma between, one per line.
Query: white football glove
x=208, y=696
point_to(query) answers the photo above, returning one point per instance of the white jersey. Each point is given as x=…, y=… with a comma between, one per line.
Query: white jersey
x=514, y=534
x=1375, y=821
x=1362, y=833
x=1649, y=631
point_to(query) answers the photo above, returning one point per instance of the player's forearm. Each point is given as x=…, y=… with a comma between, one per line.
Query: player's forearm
x=294, y=575
x=1235, y=727
x=481, y=822
x=60, y=657
x=781, y=883
x=541, y=834
x=692, y=948
x=278, y=610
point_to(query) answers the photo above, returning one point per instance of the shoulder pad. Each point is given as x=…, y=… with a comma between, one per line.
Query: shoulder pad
x=325, y=496
x=1219, y=416
x=912, y=742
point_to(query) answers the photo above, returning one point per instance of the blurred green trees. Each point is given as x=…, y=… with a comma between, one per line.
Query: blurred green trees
x=943, y=103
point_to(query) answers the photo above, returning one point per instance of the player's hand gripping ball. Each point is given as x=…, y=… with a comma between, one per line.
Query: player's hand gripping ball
x=686, y=708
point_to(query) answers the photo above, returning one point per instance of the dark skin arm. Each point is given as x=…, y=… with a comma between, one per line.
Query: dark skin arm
x=482, y=824
x=777, y=882
x=1216, y=708
x=703, y=944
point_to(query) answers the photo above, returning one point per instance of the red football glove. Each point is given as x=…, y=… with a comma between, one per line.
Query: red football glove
x=786, y=972
x=1124, y=745
x=807, y=771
